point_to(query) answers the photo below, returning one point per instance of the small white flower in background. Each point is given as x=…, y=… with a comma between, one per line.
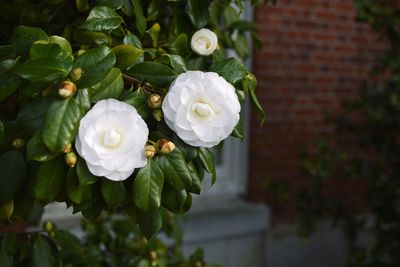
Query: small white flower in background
x=204, y=42
x=111, y=139
x=202, y=108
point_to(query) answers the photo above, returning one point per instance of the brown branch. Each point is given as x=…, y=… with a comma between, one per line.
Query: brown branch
x=146, y=86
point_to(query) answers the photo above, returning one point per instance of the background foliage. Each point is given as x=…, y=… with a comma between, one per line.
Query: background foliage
x=372, y=122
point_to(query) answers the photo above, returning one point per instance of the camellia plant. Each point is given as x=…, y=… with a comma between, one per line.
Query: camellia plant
x=115, y=106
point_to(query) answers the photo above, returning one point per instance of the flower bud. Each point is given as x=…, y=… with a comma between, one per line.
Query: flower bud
x=66, y=89
x=158, y=114
x=75, y=74
x=67, y=148
x=153, y=255
x=70, y=159
x=154, y=101
x=48, y=226
x=18, y=143
x=199, y=264
x=149, y=151
x=165, y=146
x=6, y=210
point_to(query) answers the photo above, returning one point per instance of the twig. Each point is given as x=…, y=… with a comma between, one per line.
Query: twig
x=146, y=86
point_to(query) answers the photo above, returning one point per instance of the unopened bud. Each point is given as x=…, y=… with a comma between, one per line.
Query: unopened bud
x=48, y=226
x=158, y=114
x=149, y=151
x=18, y=143
x=6, y=210
x=199, y=264
x=165, y=146
x=70, y=159
x=66, y=89
x=154, y=101
x=67, y=148
x=153, y=255
x=75, y=74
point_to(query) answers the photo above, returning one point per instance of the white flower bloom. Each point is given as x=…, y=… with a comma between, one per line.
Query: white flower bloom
x=111, y=139
x=204, y=42
x=202, y=108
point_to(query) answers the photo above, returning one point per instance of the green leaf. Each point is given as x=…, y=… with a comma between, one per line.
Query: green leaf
x=13, y=174
x=114, y=4
x=147, y=186
x=196, y=179
x=249, y=85
x=62, y=42
x=231, y=69
x=110, y=87
x=75, y=191
x=23, y=37
x=102, y=18
x=155, y=73
x=71, y=249
x=85, y=37
x=84, y=175
x=181, y=46
x=238, y=131
x=138, y=99
x=140, y=19
x=42, y=253
x=131, y=39
x=83, y=99
x=198, y=12
x=6, y=210
x=126, y=55
x=154, y=32
x=208, y=161
x=61, y=124
x=9, y=84
x=95, y=64
x=6, y=52
x=37, y=150
x=32, y=115
x=176, y=201
x=50, y=179
x=45, y=69
x=45, y=50
x=149, y=222
x=175, y=169
x=113, y=192
x=177, y=62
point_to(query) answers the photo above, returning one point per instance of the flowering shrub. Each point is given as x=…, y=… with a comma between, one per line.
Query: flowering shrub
x=114, y=105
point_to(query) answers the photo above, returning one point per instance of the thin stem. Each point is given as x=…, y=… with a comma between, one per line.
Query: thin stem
x=146, y=86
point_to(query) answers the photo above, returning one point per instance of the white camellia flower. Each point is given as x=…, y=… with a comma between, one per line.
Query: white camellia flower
x=111, y=139
x=204, y=42
x=201, y=107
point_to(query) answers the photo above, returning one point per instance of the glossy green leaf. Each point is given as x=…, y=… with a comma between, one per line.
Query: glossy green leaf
x=140, y=19
x=155, y=73
x=102, y=18
x=5, y=260
x=231, y=69
x=114, y=4
x=196, y=179
x=131, y=39
x=83, y=98
x=84, y=175
x=147, y=186
x=41, y=254
x=71, y=249
x=37, y=150
x=50, y=179
x=208, y=161
x=75, y=191
x=154, y=33
x=138, y=99
x=175, y=170
x=32, y=115
x=198, y=12
x=176, y=201
x=62, y=42
x=92, y=38
x=95, y=64
x=13, y=174
x=45, y=69
x=110, y=87
x=181, y=46
x=113, y=192
x=47, y=50
x=61, y=124
x=23, y=37
x=6, y=52
x=238, y=131
x=150, y=222
x=126, y=55
x=6, y=210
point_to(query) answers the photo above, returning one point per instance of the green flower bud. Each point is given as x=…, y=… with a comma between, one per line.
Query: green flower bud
x=158, y=114
x=149, y=151
x=18, y=143
x=6, y=210
x=154, y=101
x=75, y=74
x=48, y=227
x=70, y=159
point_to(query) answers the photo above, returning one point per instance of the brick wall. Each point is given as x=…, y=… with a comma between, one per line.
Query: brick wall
x=315, y=54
